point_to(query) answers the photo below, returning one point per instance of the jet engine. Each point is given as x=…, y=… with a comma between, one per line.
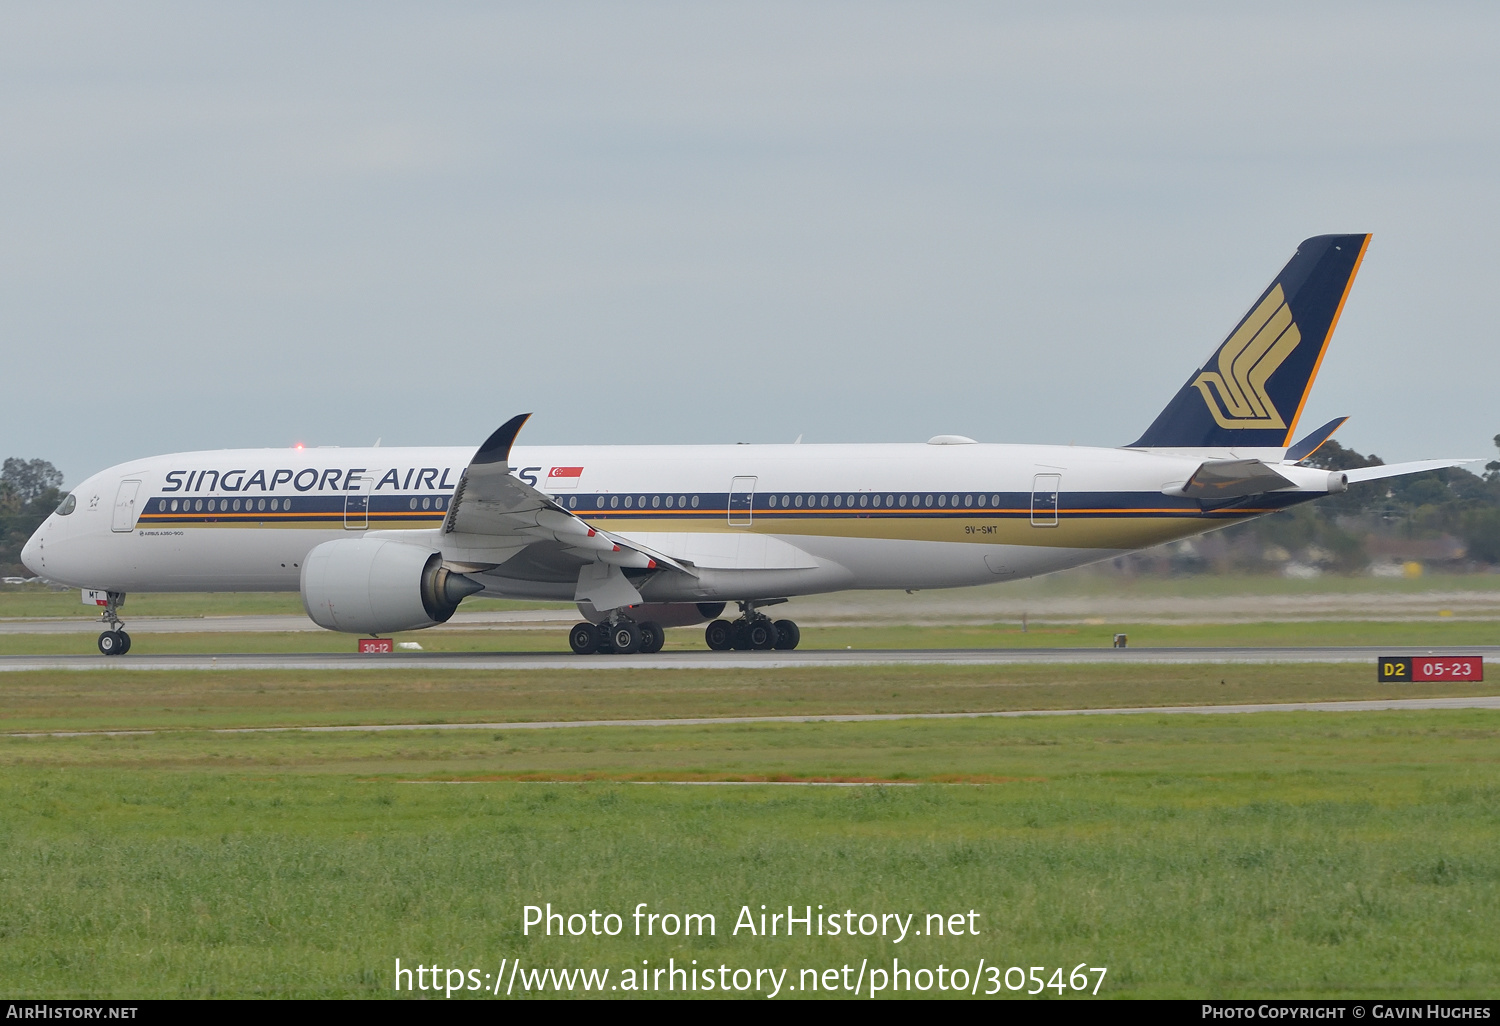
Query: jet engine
x=377, y=586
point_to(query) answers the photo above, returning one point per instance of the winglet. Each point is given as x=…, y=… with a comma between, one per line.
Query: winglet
x=1312, y=442
x=496, y=448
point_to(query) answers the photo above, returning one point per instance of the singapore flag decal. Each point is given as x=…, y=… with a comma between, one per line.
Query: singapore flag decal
x=564, y=477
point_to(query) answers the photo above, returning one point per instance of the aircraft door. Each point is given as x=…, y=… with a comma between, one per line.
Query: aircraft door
x=357, y=503
x=1044, y=496
x=741, y=501
x=124, y=518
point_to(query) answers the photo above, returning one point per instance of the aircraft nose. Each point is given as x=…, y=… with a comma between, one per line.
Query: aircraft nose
x=31, y=554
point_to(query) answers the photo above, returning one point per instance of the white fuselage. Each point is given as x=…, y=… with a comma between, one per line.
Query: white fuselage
x=754, y=521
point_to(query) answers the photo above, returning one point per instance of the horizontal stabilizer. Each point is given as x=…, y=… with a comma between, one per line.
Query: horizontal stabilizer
x=1313, y=441
x=1401, y=469
x=1229, y=479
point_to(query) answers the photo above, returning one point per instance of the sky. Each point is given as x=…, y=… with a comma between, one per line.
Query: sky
x=262, y=224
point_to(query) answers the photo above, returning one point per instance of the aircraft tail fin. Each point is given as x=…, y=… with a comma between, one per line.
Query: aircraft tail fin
x=1251, y=392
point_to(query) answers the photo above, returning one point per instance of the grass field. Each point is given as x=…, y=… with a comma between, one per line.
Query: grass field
x=1258, y=856
x=69, y=700
x=1276, y=855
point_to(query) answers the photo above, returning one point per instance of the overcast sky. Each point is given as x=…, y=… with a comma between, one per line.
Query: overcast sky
x=262, y=224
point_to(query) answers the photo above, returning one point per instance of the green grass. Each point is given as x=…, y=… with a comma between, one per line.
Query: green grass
x=103, y=700
x=1278, y=855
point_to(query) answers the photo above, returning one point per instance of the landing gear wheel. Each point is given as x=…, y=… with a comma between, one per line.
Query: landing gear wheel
x=584, y=638
x=624, y=638
x=110, y=643
x=787, y=635
x=124, y=642
x=741, y=636
x=652, y=636
x=719, y=635
x=761, y=634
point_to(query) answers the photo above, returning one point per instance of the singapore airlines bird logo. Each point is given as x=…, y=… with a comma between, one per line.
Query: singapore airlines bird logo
x=1236, y=392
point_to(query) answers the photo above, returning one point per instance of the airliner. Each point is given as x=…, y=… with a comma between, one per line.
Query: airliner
x=643, y=538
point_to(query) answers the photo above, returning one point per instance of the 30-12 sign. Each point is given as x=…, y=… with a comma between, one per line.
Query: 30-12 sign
x=1426, y=669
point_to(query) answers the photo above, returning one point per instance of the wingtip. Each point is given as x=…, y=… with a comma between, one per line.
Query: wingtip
x=496, y=448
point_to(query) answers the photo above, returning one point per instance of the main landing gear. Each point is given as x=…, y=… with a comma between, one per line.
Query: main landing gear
x=752, y=631
x=113, y=641
x=621, y=637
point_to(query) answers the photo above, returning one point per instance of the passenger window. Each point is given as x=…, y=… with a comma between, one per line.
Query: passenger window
x=864, y=500
x=627, y=502
x=237, y=505
x=600, y=503
x=927, y=501
x=413, y=504
x=903, y=502
x=838, y=500
x=655, y=501
x=161, y=506
x=695, y=502
x=823, y=502
x=771, y=502
x=641, y=502
x=572, y=502
x=275, y=503
x=968, y=501
x=426, y=502
x=955, y=500
x=438, y=502
x=614, y=502
x=682, y=502
x=799, y=502
x=198, y=506
x=669, y=502
x=942, y=500
x=174, y=505
x=286, y=504
x=261, y=505
x=994, y=500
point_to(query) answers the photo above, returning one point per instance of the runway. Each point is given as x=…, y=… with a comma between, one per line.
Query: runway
x=706, y=660
x=1375, y=705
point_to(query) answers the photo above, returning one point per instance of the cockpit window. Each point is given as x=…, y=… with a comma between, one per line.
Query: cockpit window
x=68, y=505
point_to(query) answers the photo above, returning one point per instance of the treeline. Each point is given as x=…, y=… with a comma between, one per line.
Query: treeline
x=29, y=490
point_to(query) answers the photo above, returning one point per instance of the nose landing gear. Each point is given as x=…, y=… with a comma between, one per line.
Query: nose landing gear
x=113, y=641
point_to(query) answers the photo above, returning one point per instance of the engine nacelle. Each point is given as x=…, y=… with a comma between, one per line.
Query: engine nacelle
x=377, y=586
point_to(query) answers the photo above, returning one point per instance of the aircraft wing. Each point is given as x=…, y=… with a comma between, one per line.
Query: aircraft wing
x=497, y=522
